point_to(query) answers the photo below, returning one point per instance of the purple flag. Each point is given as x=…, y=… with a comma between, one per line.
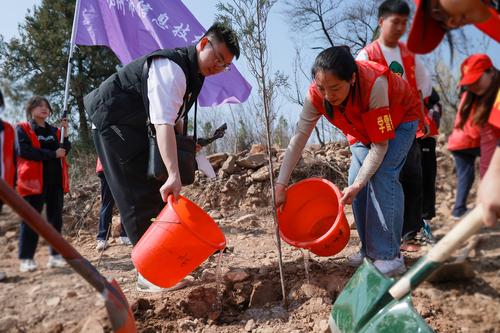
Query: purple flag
x=132, y=28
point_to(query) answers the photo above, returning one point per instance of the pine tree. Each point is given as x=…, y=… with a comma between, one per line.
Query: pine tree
x=36, y=62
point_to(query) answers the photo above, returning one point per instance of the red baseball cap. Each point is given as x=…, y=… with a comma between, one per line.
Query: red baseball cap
x=426, y=33
x=473, y=67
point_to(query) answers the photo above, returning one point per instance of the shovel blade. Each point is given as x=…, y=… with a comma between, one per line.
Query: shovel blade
x=397, y=316
x=363, y=296
x=119, y=312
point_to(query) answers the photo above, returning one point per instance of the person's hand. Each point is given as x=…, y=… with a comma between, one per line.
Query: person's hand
x=349, y=194
x=60, y=152
x=171, y=186
x=198, y=148
x=64, y=124
x=279, y=195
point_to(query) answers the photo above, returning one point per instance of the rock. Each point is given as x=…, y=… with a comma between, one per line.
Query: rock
x=229, y=165
x=8, y=323
x=322, y=326
x=201, y=302
x=250, y=325
x=252, y=161
x=54, y=301
x=246, y=219
x=3, y=276
x=116, y=226
x=265, y=292
x=257, y=149
x=92, y=325
x=261, y=175
x=311, y=290
x=236, y=275
x=208, y=275
x=217, y=159
x=10, y=235
x=215, y=214
x=186, y=325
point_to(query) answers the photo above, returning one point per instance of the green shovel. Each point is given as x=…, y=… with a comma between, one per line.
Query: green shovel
x=371, y=302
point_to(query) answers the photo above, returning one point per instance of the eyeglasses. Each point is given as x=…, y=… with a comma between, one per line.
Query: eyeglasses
x=219, y=59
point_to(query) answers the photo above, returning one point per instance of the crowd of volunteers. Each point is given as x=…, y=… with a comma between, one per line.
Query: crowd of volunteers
x=382, y=99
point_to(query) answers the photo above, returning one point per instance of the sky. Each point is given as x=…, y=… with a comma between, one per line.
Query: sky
x=281, y=46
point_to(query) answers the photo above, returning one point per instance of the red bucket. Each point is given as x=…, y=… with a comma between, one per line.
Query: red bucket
x=313, y=218
x=181, y=238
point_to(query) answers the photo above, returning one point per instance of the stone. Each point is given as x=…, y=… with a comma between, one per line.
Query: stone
x=8, y=323
x=3, y=276
x=10, y=235
x=229, y=165
x=186, y=325
x=261, y=175
x=217, y=159
x=246, y=219
x=54, y=301
x=252, y=161
x=236, y=275
x=250, y=325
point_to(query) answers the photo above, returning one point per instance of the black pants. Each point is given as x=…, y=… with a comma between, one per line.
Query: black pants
x=411, y=180
x=124, y=154
x=429, y=168
x=53, y=197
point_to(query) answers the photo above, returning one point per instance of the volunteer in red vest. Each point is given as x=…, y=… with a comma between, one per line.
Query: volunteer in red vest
x=481, y=81
x=434, y=18
x=42, y=176
x=378, y=113
x=7, y=156
x=7, y=140
x=463, y=143
x=389, y=51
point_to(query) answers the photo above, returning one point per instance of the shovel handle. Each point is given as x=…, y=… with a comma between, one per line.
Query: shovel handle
x=437, y=255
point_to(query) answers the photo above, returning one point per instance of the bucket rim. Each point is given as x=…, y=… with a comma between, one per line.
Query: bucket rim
x=312, y=243
x=217, y=246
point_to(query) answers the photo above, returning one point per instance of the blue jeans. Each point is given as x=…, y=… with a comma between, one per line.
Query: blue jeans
x=464, y=164
x=106, y=212
x=379, y=207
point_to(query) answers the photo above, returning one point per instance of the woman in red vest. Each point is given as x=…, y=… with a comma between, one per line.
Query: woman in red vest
x=463, y=143
x=378, y=112
x=7, y=156
x=42, y=176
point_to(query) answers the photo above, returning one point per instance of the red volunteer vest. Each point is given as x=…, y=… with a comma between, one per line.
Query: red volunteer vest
x=375, y=53
x=494, y=118
x=8, y=166
x=30, y=173
x=360, y=123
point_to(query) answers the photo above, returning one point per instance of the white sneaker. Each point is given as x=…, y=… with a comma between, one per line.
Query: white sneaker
x=27, y=265
x=125, y=241
x=355, y=259
x=391, y=267
x=56, y=261
x=101, y=245
x=148, y=287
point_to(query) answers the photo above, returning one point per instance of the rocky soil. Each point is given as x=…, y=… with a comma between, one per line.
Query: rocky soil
x=59, y=300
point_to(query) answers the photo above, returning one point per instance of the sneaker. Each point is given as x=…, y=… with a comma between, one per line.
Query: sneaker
x=417, y=241
x=125, y=241
x=355, y=259
x=101, y=244
x=56, y=261
x=391, y=267
x=148, y=287
x=27, y=265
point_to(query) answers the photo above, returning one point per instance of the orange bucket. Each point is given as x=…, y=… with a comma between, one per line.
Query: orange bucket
x=313, y=218
x=181, y=238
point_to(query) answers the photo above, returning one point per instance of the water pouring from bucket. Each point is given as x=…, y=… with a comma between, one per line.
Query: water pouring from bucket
x=180, y=239
x=313, y=218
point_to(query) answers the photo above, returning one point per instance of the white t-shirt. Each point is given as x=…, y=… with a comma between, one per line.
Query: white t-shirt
x=166, y=89
x=422, y=76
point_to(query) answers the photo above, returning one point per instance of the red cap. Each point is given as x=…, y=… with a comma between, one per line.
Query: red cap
x=426, y=33
x=473, y=67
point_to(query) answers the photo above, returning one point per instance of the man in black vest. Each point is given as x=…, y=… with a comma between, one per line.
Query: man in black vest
x=117, y=109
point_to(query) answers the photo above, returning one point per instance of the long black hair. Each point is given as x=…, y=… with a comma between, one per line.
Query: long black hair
x=339, y=61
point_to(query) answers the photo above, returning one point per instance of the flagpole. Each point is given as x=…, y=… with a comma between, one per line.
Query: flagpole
x=68, y=71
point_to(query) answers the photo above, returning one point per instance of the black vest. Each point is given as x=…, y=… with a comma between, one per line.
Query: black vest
x=120, y=99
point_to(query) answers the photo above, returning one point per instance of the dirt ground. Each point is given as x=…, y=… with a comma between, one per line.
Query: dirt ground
x=58, y=300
